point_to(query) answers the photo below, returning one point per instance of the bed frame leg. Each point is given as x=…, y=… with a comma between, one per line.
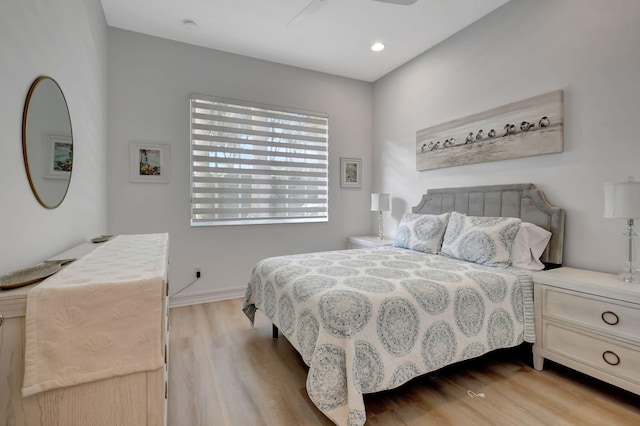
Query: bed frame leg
x=275, y=331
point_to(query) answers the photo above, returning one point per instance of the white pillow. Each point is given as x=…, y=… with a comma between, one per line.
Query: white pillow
x=482, y=240
x=421, y=232
x=528, y=246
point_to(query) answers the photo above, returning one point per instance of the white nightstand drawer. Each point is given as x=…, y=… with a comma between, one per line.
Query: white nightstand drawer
x=613, y=358
x=606, y=315
x=588, y=321
x=367, y=241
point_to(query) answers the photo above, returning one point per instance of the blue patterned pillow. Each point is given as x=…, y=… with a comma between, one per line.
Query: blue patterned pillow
x=483, y=240
x=421, y=232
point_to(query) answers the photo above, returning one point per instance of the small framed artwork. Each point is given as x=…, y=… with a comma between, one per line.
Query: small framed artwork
x=58, y=157
x=149, y=162
x=351, y=172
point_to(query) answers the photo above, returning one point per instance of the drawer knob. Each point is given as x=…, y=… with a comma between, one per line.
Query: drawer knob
x=1, y=320
x=610, y=318
x=610, y=358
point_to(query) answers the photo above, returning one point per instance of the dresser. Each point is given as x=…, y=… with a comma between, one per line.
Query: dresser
x=588, y=321
x=136, y=398
x=367, y=241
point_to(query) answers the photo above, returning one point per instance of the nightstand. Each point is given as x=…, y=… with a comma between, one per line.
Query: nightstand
x=367, y=242
x=588, y=321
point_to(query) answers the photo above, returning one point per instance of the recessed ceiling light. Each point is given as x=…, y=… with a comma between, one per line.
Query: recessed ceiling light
x=189, y=24
x=377, y=47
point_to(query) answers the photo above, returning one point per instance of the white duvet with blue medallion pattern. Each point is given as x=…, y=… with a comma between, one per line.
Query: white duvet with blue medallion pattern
x=372, y=319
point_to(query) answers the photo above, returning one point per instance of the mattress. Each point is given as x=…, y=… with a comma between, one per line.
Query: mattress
x=369, y=320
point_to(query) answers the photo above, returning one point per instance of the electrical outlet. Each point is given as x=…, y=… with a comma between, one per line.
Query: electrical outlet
x=198, y=273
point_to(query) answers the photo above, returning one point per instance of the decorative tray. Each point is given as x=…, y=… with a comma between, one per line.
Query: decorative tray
x=62, y=262
x=101, y=238
x=28, y=275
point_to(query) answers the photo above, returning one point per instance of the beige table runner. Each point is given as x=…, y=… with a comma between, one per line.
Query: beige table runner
x=99, y=317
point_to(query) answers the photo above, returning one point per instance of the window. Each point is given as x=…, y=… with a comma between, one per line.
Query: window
x=255, y=163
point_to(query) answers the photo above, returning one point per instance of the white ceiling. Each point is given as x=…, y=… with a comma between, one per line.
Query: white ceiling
x=331, y=36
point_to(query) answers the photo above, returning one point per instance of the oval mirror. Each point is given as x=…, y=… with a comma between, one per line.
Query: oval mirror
x=47, y=142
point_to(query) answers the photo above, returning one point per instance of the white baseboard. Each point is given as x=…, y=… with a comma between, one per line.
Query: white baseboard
x=206, y=296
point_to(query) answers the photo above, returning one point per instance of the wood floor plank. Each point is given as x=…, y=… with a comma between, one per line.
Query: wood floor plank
x=223, y=372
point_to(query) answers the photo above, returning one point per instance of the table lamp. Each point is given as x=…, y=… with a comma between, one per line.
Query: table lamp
x=622, y=201
x=380, y=203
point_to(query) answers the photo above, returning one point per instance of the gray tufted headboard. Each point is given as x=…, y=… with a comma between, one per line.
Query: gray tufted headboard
x=514, y=200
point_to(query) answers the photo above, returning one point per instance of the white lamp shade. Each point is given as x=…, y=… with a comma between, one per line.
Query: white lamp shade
x=380, y=202
x=622, y=200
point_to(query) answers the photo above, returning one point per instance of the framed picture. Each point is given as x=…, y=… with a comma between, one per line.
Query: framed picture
x=149, y=162
x=351, y=172
x=58, y=157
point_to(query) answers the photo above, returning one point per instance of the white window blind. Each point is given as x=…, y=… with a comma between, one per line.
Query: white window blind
x=255, y=163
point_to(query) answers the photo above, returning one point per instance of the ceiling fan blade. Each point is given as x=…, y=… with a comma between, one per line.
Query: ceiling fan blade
x=311, y=7
x=399, y=2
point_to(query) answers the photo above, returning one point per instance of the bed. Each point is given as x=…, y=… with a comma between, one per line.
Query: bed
x=369, y=320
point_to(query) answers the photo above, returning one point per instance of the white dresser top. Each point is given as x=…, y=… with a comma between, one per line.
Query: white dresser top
x=99, y=317
x=13, y=303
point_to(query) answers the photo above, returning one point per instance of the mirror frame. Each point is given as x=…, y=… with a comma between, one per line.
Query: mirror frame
x=25, y=115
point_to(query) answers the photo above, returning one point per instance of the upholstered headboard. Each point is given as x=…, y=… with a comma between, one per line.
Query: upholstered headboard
x=515, y=200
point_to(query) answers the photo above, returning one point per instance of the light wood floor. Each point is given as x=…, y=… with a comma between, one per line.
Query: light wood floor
x=222, y=372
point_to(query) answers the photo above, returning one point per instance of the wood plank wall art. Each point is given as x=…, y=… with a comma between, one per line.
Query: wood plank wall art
x=520, y=129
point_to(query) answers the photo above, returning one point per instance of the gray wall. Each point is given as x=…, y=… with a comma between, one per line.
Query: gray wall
x=149, y=84
x=588, y=48
x=67, y=41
